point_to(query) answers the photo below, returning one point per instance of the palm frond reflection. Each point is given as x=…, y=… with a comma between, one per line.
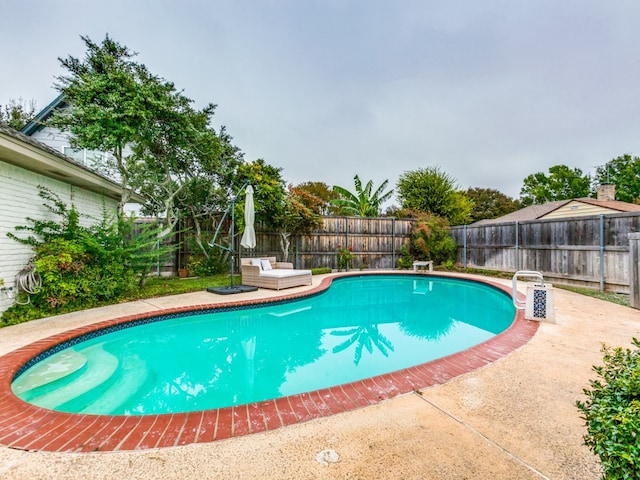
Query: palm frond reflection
x=367, y=336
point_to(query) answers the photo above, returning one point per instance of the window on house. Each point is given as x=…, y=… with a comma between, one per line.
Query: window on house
x=90, y=158
x=77, y=155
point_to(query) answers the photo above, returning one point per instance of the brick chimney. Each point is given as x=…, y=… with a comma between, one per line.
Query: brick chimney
x=606, y=192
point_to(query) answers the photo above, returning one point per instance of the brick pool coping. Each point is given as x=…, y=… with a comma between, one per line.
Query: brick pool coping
x=28, y=427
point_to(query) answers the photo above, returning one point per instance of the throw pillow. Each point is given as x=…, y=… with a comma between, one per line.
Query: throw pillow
x=266, y=265
x=255, y=262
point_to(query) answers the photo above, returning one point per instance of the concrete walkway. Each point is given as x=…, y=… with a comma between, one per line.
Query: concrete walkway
x=513, y=419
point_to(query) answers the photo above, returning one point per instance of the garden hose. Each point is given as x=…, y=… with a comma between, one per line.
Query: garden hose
x=28, y=281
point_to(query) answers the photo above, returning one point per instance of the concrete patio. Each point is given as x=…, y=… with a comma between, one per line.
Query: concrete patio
x=512, y=419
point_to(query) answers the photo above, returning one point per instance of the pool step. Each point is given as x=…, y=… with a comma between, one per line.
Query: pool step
x=98, y=370
x=128, y=382
x=45, y=375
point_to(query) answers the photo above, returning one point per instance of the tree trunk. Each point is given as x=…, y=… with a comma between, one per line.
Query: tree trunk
x=284, y=245
x=198, y=234
x=125, y=194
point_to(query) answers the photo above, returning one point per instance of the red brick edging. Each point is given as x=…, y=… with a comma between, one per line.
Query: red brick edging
x=28, y=427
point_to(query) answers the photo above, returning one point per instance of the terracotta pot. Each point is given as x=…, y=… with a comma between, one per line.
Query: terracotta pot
x=183, y=272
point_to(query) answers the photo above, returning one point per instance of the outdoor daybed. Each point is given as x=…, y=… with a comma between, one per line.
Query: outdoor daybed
x=265, y=272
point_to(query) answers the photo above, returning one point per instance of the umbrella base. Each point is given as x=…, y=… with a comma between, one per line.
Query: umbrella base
x=228, y=290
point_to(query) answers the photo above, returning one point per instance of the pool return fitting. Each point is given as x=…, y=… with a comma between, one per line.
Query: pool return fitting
x=538, y=304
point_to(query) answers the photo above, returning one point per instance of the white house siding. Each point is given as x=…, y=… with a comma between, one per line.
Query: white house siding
x=52, y=137
x=18, y=200
x=59, y=141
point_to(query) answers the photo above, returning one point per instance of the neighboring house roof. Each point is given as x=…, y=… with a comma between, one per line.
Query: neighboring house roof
x=575, y=207
x=532, y=212
x=37, y=122
x=616, y=205
x=25, y=152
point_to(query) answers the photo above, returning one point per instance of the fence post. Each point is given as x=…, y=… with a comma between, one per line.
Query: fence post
x=634, y=271
x=601, y=253
x=393, y=242
x=346, y=232
x=517, y=246
x=464, y=246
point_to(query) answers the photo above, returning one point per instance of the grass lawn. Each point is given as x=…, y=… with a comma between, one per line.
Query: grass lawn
x=161, y=286
x=154, y=287
x=619, y=298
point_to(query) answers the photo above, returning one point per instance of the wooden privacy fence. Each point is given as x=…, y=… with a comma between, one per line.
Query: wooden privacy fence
x=376, y=242
x=588, y=251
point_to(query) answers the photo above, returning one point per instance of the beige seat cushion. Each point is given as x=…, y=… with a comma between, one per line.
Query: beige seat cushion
x=284, y=273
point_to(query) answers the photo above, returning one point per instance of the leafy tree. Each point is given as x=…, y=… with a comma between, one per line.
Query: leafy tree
x=624, y=173
x=295, y=218
x=362, y=203
x=183, y=167
x=315, y=204
x=269, y=197
x=162, y=147
x=562, y=183
x=490, y=203
x=212, y=181
x=461, y=209
x=288, y=211
x=269, y=191
x=17, y=113
x=322, y=191
x=395, y=211
x=154, y=135
x=431, y=240
x=110, y=98
x=430, y=190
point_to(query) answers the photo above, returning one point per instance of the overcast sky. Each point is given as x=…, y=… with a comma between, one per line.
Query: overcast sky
x=490, y=91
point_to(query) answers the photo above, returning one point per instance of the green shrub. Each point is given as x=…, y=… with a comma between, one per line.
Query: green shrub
x=62, y=266
x=406, y=260
x=320, y=270
x=431, y=240
x=612, y=413
x=20, y=312
x=202, y=266
x=81, y=267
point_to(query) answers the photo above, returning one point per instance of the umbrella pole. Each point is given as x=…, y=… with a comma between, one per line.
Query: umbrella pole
x=233, y=222
x=231, y=249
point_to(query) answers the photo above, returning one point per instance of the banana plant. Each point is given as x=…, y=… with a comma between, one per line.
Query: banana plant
x=364, y=202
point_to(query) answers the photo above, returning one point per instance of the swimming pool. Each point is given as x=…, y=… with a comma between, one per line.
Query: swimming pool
x=26, y=426
x=361, y=327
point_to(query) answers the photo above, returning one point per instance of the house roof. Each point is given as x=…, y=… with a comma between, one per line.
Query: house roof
x=532, y=212
x=37, y=123
x=535, y=212
x=25, y=152
x=611, y=204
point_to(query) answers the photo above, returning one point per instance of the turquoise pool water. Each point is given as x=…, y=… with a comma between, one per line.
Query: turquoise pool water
x=358, y=328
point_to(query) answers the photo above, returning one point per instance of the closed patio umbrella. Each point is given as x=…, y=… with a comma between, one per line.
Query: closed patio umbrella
x=249, y=235
x=248, y=239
